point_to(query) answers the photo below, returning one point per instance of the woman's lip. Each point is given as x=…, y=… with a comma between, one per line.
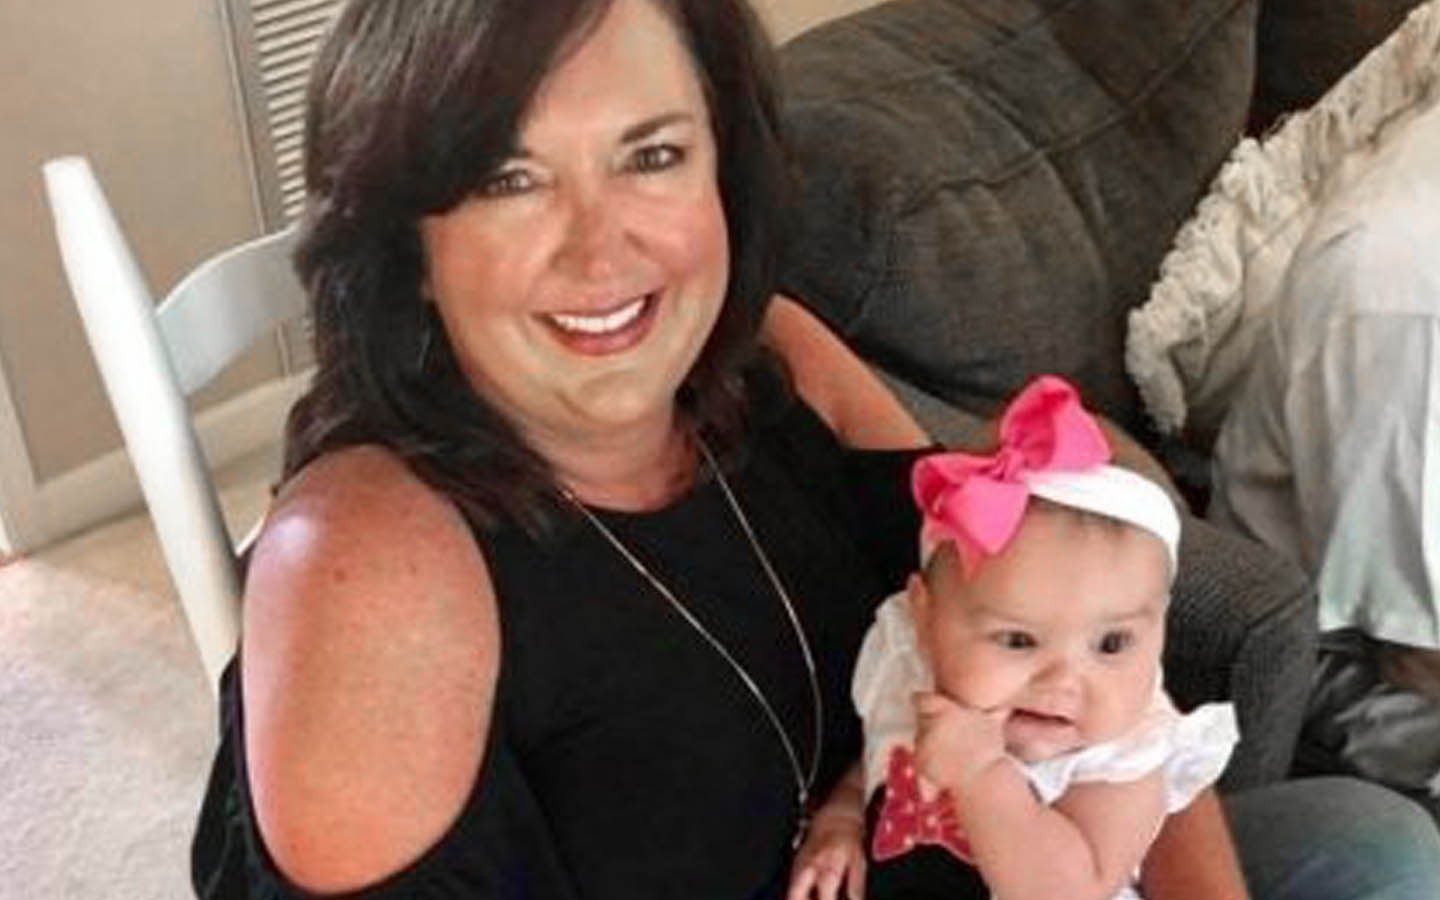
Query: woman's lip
x=600, y=334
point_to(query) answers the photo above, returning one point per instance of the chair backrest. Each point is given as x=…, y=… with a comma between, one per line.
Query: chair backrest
x=150, y=358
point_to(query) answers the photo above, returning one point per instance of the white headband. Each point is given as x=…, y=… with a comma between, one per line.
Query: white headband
x=1116, y=493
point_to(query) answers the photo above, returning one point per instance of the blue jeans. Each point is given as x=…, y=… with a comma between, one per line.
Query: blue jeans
x=1334, y=839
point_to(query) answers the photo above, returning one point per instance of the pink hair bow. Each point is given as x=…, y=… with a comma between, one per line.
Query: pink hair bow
x=978, y=501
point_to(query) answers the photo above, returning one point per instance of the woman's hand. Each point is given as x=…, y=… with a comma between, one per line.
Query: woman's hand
x=832, y=856
x=833, y=853
x=954, y=744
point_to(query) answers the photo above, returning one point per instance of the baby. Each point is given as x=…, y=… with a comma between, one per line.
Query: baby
x=1011, y=695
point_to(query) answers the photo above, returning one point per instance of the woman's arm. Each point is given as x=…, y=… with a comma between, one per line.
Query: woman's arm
x=370, y=654
x=861, y=409
x=836, y=383
x=1193, y=858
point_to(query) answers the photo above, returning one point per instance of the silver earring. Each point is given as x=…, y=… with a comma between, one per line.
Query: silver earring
x=427, y=338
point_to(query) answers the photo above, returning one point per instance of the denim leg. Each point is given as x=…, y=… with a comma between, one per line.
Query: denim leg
x=1334, y=839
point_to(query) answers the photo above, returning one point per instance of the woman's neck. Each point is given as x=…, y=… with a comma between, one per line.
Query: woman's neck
x=645, y=470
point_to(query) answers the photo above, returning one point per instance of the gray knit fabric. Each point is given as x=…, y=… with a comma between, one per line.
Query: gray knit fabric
x=989, y=185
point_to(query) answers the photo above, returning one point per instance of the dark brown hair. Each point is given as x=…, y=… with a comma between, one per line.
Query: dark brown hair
x=411, y=104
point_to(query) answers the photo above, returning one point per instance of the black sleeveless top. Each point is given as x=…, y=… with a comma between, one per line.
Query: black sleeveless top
x=626, y=758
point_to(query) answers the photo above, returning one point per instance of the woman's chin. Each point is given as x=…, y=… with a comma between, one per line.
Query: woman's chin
x=625, y=400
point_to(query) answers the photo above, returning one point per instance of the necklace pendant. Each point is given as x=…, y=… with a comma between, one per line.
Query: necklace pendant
x=802, y=826
x=802, y=821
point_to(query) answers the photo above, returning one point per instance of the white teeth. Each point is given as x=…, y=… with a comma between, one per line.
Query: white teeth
x=600, y=324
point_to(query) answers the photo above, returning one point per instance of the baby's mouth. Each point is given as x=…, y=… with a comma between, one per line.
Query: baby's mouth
x=1036, y=717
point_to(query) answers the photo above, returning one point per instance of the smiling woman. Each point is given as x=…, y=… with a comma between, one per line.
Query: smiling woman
x=563, y=589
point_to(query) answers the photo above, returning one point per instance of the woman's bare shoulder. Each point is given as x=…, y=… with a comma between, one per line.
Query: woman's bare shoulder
x=371, y=647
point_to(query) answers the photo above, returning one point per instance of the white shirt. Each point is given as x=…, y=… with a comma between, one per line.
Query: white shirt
x=1331, y=452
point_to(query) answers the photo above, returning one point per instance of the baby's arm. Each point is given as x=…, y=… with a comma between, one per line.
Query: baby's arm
x=1086, y=846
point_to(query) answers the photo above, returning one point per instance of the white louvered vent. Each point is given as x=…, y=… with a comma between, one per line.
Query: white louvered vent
x=275, y=43
x=287, y=33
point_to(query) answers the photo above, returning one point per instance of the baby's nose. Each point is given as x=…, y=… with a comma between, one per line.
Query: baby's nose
x=1060, y=674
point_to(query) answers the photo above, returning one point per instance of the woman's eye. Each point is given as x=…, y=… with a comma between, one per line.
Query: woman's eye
x=656, y=157
x=1113, y=642
x=506, y=183
x=1015, y=640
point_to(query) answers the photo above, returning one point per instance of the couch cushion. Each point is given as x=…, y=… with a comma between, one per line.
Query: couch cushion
x=988, y=185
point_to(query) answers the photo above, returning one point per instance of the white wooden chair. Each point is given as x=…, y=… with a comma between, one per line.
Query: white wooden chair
x=151, y=358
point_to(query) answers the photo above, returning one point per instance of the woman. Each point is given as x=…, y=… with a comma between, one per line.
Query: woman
x=561, y=595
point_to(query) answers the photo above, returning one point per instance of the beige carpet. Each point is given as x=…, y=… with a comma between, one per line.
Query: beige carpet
x=106, y=725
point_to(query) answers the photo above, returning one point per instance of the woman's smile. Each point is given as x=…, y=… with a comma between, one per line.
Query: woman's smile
x=610, y=331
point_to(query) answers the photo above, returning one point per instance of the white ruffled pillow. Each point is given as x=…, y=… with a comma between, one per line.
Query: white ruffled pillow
x=1189, y=344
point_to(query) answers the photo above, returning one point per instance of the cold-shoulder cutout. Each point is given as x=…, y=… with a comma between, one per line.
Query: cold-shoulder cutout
x=369, y=663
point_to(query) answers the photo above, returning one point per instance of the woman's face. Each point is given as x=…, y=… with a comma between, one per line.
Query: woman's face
x=580, y=282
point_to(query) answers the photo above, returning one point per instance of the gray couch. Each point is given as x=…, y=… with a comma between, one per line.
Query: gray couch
x=988, y=186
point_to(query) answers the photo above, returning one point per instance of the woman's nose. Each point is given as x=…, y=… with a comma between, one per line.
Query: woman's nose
x=593, y=242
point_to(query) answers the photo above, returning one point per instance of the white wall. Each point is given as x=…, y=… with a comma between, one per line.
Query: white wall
x=787, y=18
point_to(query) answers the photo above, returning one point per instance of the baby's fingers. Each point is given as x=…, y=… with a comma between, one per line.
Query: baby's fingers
x=929, y=704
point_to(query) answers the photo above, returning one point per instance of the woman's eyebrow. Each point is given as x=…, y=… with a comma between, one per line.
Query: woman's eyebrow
x=642, y=130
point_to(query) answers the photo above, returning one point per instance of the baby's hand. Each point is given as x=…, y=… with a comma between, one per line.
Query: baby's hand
x=955, y=743
x=833, y=854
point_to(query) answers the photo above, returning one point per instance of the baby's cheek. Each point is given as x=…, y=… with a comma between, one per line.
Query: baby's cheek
x=1130, y=698
x=978, y=683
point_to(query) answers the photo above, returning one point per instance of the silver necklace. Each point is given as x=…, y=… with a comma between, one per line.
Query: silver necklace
x=804, y=780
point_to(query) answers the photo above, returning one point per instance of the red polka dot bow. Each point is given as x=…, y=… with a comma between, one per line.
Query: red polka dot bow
x=978, y=500
x=908, y=820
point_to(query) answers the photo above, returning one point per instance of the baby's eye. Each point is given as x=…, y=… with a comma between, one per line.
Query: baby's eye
x=656, y=157
x=1113, y=642
x=1014, y=640
x=505, y=183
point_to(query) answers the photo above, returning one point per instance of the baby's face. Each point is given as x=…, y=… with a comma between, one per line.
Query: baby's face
x=1063, y=629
